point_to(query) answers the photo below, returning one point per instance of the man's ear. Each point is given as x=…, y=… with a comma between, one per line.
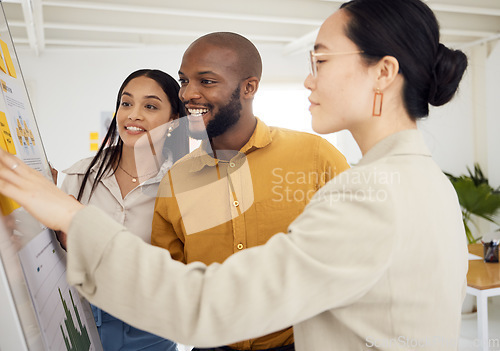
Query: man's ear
x=250, y=87
x=387, y=70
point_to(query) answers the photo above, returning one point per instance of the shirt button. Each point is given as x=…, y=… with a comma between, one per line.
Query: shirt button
x=240, y=246
x=236, y=203
x=232, y=164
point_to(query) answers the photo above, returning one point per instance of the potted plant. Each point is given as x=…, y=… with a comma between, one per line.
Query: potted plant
x=476, y=197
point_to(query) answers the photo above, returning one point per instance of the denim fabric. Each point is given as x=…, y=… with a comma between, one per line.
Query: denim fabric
x=290, y=347
x=119, y=336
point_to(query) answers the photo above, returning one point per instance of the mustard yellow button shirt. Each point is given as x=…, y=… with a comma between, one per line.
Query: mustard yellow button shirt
x=207, y=209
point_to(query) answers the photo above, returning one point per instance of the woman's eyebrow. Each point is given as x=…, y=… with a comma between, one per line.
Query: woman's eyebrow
x=152, y=97
x=146, y=97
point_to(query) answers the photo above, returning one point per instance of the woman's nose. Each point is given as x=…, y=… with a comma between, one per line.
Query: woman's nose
x=309, y=82
x=135, y=114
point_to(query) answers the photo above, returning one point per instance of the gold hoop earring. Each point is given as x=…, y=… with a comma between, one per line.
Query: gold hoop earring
x=377, y=103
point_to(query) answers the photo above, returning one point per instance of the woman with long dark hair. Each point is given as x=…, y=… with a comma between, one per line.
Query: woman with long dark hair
x=144, y=139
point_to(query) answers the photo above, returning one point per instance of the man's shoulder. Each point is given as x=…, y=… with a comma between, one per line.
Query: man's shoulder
x=299, y=139
x=292, y=132
x=308, y=145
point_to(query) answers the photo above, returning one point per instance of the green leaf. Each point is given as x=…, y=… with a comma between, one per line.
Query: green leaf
x=476, y=197
x=478, y=200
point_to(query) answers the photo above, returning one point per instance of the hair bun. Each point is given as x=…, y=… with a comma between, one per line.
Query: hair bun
x=448, y=70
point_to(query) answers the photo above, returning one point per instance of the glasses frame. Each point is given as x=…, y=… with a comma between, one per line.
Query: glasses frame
x=312, y=58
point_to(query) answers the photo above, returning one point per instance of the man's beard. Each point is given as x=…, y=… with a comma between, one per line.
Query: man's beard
x=227, y=117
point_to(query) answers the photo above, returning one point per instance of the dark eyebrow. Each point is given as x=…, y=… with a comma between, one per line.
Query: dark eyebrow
x=200, y=73
x=319, y=46
x=146, y=97
x=206, y=72
x=152, y=97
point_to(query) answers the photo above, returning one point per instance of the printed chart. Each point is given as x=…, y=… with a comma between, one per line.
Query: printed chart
x=20, y=125
x=57, y=305
x=74, y=338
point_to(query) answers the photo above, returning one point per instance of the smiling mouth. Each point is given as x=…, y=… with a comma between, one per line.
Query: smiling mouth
x=197, y=112
x=135, y=129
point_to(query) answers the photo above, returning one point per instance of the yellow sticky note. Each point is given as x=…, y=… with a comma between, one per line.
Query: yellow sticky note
x=94, y=146
x=7, y=205
x=8, y=59
x=2, y=65
x=3, y=146
x=94, y=136
x=6, y=135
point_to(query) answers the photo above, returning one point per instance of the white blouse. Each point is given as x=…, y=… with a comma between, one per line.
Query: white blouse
x=135, y=211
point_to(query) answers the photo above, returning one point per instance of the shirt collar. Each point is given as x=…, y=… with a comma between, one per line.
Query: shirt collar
x=261, y=137
x=161, y=173
x=405, y=142
x=201, y=157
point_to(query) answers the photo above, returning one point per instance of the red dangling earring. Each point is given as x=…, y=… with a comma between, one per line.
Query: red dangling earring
x=377, y=103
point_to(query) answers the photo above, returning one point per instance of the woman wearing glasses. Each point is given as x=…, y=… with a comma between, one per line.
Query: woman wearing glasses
x=363, y=266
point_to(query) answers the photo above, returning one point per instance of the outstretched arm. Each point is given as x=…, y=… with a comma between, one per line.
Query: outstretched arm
x=322, y=264
x=36, y=194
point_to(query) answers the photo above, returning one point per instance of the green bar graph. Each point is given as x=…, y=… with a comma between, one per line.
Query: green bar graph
x=75, y=340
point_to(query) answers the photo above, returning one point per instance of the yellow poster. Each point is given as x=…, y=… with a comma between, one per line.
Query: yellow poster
x=6, y=136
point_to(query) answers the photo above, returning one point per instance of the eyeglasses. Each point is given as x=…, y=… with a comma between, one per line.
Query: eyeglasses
x=314, y=62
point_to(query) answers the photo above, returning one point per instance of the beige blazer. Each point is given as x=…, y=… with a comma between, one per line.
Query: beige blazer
x=377, y=260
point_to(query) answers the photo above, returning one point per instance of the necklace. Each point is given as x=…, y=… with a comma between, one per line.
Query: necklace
x=134, y=178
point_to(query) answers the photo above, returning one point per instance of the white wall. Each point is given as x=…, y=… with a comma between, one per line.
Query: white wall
x=448, y=131
x=458, y=133
x=493, y=114
x=70, y=89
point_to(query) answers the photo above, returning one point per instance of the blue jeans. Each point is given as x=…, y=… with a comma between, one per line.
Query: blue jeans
x=290, y=347
x=119, y=336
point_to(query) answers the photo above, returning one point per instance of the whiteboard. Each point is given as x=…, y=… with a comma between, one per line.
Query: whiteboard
x=39, y=310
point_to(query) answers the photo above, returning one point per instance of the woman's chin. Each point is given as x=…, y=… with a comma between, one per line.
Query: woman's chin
x=327, y=124
x=320, y=128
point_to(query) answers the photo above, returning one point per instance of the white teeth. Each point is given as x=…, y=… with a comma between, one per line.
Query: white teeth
x=135, y=129
x=197, y=111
